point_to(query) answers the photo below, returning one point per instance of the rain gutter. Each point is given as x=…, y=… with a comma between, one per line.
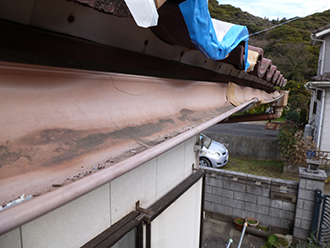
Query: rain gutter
x=277, y=104
x=20, y=214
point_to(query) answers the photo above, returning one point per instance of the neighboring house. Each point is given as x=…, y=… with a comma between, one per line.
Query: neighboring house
x=100, y=119
x=319, y=114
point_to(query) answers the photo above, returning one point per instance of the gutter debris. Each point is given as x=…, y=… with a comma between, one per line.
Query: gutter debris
x=20, y=199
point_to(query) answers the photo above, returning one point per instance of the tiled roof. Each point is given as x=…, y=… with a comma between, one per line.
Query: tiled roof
x=324, y=77
x=265, y=70
x=172, y=29
x=321, y=29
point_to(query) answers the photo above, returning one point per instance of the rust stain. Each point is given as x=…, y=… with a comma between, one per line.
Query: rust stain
x=143, y=130
x=185, y=114
x=7, y=156
x=50, y=135
x=55, y=146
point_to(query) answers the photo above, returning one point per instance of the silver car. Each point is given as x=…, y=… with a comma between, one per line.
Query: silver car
x=212, y=154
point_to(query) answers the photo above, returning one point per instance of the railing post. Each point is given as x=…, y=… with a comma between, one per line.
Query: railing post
x=316, y=212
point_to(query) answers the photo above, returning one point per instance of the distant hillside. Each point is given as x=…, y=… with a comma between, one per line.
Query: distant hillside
x=288, y=46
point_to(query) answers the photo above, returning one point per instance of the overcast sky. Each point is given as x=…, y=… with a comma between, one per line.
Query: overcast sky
x=280, y=8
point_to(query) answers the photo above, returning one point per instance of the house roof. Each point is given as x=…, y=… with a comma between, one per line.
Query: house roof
x=324, y=77
x=321, y=31
x=172, y=29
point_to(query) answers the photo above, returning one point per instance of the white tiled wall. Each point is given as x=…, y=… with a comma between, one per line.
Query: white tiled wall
x=72, y=224
x=138, y=184
x=75, y=223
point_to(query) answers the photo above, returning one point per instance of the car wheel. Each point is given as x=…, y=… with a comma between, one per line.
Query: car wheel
x=204, y=162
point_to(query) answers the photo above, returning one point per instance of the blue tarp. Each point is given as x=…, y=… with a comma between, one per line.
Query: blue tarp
x=203, y=32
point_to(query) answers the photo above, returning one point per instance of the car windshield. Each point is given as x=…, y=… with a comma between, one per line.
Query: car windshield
x=206, y=141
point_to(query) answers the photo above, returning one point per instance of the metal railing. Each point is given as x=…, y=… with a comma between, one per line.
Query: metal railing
x=323, y=157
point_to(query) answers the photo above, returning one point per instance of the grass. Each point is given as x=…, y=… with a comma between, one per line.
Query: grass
x=260, y=168
x=281, y=119
x=264, y=168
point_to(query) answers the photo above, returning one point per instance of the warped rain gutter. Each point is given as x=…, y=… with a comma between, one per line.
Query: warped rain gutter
x=20, y=214
x=278, y=104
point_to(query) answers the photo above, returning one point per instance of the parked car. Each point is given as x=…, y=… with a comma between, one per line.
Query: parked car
x=212, y=154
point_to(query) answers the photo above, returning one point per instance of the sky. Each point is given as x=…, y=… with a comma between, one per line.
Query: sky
x=280, y=8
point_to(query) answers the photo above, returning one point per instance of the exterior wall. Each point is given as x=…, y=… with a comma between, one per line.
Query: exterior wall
x=326, y=49
x=183, y=210
x=325, y=135
x=235, y=194
x=325, y=132
x=75, y=223
x=316, y=118
x=326, y=67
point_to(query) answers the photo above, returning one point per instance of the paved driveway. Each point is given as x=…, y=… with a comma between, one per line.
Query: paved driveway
x=254, y=129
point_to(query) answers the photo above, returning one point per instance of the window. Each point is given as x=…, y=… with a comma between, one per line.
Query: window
x=128, y=241
x=319, y=95
x=314, y=108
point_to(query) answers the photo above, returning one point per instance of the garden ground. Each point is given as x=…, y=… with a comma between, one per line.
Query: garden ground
x=268, y=169
x=217, y=234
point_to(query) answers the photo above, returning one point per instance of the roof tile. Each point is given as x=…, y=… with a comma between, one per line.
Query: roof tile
x=324, y=77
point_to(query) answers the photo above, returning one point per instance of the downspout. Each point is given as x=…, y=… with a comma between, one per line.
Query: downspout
x=22, y=213
x=256, y=117
x=323, y=52
x=277, y=105
x=309, y=87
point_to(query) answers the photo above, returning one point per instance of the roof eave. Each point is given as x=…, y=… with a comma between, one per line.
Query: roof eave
x=319, y=84
x=322, y=33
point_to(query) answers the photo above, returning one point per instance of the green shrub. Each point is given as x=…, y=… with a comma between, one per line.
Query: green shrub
x=293, y=115
x=293, y=146
x=287, y=140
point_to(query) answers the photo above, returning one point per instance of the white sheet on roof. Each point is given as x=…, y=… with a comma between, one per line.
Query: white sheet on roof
x=144, y=12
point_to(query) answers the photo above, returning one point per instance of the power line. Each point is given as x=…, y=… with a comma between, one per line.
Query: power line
x=291, y=20
x=276, y=26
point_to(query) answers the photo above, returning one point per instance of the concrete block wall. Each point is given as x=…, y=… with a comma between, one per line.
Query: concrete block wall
x=272, y=201
x=263, y=148
x=308, y=183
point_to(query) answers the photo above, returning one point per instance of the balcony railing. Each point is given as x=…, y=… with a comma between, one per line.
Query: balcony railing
x=322, y=157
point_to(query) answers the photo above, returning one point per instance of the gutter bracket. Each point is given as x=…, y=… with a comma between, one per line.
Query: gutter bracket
x=230, y=94
x=197, y=148
x=144, y=213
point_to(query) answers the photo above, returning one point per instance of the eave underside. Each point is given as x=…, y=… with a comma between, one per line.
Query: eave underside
x=24, y=44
